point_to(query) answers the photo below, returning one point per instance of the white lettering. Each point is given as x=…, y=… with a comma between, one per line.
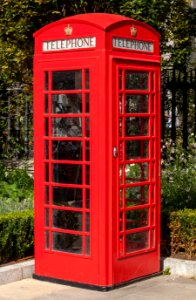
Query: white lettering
x=132, y=44
x=76, y=43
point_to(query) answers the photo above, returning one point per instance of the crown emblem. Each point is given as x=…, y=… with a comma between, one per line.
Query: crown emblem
x=68, y=30
x=133, y=31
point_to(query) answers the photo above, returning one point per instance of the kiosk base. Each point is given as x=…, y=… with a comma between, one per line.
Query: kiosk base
x=94, y=287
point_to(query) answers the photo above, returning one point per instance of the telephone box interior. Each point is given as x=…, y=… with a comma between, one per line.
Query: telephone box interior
x=97, y=150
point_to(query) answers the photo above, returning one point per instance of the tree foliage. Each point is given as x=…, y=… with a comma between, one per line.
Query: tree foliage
x=175, y=20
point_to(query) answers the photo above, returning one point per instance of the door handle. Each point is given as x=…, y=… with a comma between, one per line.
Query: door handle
x=115, y=152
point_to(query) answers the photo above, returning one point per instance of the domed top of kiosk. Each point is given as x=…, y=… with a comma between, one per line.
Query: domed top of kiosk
x=102, y=21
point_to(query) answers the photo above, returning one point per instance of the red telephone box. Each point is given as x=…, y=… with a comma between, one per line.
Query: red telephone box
x=97, y=150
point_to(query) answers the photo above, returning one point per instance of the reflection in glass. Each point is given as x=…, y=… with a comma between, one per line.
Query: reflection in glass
x=67, y=197
x=46, y=127
x=46, y=149
x=87, y=252
x=136, y=126
x=67, y=150
x=47, y=239
x=47, y=217
x=87, y=84
x=136, y=149
x=46, y=103
x=136, y=218
x=67, y=173
x=137, y=241
x=136, y=172
x=67, y=80
x=46, y=81
x=67, y=103
x=46, y=172
x=87, y=229
x=46, y=194
x=66, y=242
x=70, y=220
x=136, y=104
x=87, y=198
x=87, y=103
x=67, y=127
x=136, y=195
x=136, y=80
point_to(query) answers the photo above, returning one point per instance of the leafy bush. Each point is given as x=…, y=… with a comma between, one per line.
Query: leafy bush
x=178, y=186
x=16, y=235
x=183, y=233
x=16, y=190
x=178, y=178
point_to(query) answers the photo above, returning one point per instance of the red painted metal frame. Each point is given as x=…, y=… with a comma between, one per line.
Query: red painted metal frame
x=104, y=266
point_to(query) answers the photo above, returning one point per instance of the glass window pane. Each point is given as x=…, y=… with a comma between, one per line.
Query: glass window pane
x=46, y=103
x=71, y=127
x=136, y=195
x=136, y=80
x=120, y=104
x=67, y=173
x=67, y=197
x=46, y=239
x=67, y=150
x=46, y=127
x=67, y=80
x=87, y=103
x=87, y=83
x=136, y=104
x=87, y=198
x=120, y=79
x=87, y=151
x=136, y=218
x=46, y=194
x=87, y=127
x=70, y=220
x=87, y=222
x=87, y=252
x=136, y=149
x=46, y=172
x=66, y=242
x=135, y=126
x=136, y=172
x=87, y=174
x=46, y=81
x=47, y=217
x=46, y=149
x=67, y=104
x=137, y=241
x=120, y=126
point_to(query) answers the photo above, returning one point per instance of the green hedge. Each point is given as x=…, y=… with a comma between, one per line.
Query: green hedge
x=182, y=225
x=16, y=235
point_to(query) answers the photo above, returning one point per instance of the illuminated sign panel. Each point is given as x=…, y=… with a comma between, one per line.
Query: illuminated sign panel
x=129, y=44
x=69, y=44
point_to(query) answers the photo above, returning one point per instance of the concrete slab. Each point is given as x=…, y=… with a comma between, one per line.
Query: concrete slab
x=180, y=267
x=160, y=287
x=17, y=271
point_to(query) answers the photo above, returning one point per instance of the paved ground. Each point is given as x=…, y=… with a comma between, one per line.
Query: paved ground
x=156, y=288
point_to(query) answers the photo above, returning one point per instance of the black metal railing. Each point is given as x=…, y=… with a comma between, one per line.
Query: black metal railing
x=178, y=105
